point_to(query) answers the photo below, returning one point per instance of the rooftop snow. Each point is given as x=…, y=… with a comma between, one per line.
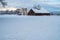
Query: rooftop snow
x=42, y=10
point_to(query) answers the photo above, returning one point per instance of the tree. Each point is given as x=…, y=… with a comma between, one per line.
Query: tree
x=3, y=3
x=38, y=7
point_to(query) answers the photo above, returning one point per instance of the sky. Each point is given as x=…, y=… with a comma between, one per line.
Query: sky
x=53, y=4
x=30, y=2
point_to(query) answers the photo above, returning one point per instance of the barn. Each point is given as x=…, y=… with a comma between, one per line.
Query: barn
x=41, y=12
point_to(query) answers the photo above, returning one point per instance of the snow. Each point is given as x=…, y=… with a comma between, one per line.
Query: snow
x=42, y=10
x=29, y=27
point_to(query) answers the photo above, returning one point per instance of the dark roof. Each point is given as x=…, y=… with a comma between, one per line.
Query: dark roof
x=31, y=12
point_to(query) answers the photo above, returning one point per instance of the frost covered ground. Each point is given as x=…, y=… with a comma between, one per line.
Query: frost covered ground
x=29, y=27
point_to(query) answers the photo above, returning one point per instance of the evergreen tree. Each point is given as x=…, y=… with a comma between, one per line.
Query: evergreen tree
x=3, y=3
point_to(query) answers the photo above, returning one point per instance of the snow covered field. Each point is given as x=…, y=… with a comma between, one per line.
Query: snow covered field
x=29, y=27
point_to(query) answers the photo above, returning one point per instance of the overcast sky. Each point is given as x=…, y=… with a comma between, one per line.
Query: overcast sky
x=17, y=3
x=48, y=4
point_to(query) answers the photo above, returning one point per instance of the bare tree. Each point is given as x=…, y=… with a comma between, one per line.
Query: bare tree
x=3, y=3
x=38, y=7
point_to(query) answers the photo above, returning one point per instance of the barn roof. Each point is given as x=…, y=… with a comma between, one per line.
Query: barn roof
x=42, y=10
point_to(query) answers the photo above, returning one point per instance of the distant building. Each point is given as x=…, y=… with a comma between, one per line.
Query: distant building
x=18, y=11
x=10, y=10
